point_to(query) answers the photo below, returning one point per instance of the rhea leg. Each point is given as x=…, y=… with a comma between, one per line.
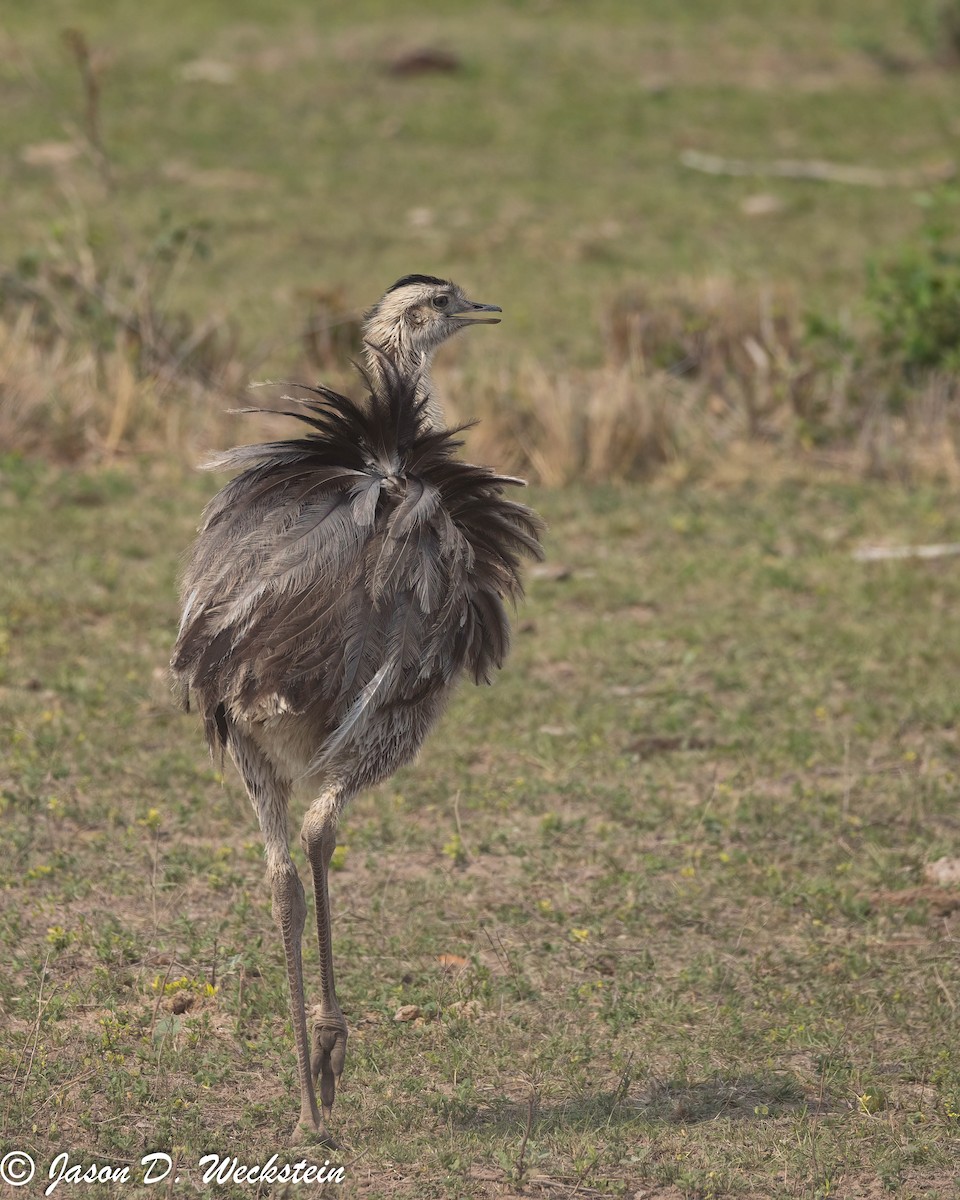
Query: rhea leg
x=319, y=838
x=270, y=795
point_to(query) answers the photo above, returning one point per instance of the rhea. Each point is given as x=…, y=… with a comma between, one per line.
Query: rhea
x=338, y=588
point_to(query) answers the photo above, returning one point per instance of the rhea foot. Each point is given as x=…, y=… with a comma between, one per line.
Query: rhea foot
x=329, y=1053
x=310, y=1132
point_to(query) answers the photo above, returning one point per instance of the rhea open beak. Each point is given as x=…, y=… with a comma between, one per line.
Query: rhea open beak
x=467, y=318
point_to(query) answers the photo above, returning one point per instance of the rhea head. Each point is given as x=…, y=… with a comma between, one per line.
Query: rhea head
x=413, y=318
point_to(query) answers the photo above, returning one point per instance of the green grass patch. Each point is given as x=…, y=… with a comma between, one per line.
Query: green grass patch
x=661, y=894
x=544, y=172
x=674, y=858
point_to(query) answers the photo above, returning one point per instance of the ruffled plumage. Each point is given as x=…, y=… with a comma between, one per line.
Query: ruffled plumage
x=356, y=568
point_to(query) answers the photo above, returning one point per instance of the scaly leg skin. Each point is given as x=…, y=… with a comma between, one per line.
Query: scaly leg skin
x=319, y=839
x=290, y=911
x=269, y=795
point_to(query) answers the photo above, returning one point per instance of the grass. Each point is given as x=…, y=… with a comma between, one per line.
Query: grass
x=546, y=170
x=660, y=899
x=659, y=896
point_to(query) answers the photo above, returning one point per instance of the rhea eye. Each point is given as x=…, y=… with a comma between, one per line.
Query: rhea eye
x=441, y=301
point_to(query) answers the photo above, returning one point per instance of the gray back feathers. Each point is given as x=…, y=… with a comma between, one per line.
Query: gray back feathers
x=360, y=566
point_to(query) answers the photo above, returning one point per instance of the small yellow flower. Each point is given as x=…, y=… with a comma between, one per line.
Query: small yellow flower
x=579, y=935
x=454, y=849
x=872, y=1101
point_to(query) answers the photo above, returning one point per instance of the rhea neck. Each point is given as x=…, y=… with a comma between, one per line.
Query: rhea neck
x=411, y=358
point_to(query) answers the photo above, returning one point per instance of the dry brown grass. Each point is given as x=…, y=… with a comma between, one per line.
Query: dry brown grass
x=920, y=441
x=95, y=359
x=75, y=403
x=609, y=423
x=693, y=376
x=689, y=379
